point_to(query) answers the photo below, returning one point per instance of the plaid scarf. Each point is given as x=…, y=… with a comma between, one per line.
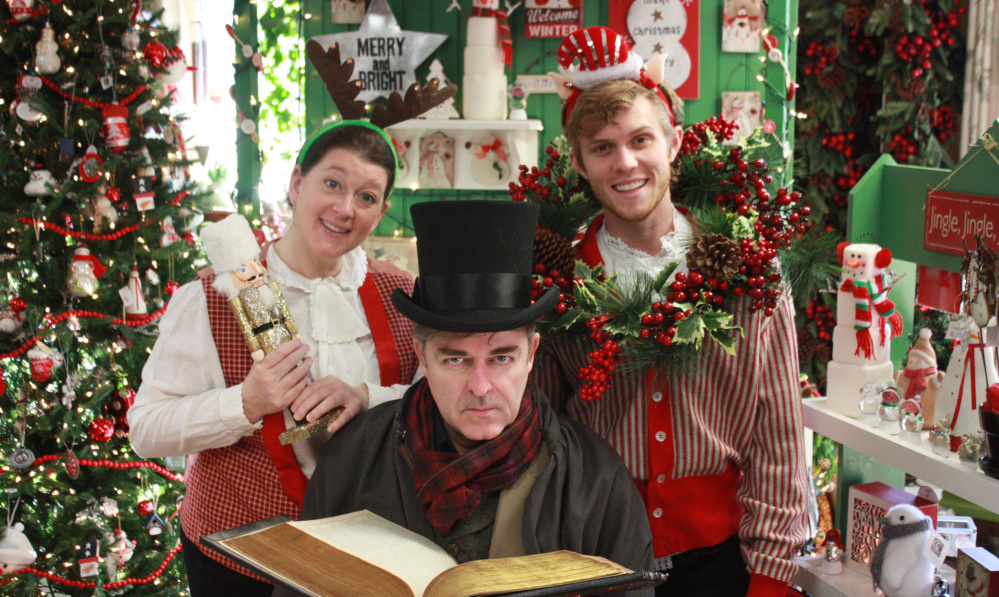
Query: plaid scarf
x=450, y=486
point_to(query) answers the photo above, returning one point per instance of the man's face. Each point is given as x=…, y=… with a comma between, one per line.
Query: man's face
x=628, y=163
x=477, y=381
x=250, y=274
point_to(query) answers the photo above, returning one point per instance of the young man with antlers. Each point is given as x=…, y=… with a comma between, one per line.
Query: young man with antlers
x=717, y=454
x=226, y=410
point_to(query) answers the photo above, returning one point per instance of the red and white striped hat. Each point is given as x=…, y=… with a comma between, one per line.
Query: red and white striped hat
x=603, y=56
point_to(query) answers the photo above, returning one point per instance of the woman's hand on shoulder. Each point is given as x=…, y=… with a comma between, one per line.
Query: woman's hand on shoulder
x=277, y=380
x=326, y=394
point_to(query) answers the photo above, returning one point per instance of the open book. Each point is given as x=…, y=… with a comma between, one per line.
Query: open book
x=362, y=554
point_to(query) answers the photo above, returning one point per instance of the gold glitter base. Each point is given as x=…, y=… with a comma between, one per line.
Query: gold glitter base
x=307, y=430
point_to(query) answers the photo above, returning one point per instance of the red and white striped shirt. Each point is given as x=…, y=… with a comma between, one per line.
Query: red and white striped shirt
x=715, y=452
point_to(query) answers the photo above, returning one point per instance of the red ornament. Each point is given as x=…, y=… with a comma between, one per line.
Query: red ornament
x=115, y=126
x=155, y=53
x=113, y=194
x=101, y=430
x=3, y=384
x=170, y=288
x=145, y=508
x=18, y=304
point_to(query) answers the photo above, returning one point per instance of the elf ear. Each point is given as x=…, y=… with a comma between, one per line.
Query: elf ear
x=882, y=259
x=840, y=248
x=563, y=84
x=656, y=68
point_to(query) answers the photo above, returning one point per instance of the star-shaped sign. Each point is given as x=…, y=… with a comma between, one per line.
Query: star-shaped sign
x=657, y=16
x=385, y=56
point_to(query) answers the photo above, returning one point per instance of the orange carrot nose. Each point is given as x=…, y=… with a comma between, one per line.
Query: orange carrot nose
x=853, y=263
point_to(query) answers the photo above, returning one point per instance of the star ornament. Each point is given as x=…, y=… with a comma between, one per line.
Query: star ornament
x=385, y=56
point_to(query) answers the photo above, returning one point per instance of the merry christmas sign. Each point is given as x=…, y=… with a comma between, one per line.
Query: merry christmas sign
x=385, y=56
x=669, y=27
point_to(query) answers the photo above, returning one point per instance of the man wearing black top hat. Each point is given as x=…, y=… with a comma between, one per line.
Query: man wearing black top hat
x=472, y=457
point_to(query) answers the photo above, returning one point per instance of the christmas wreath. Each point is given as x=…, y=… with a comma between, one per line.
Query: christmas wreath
x=744, y=226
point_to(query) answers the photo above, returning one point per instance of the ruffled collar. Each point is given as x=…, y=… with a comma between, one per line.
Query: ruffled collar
x=620, y=257
x=351, y=276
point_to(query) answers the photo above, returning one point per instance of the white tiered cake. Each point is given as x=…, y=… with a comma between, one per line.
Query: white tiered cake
x=861, y=340
x=484, y=84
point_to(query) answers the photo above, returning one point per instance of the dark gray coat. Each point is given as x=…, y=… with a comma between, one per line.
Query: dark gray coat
x=584, y=499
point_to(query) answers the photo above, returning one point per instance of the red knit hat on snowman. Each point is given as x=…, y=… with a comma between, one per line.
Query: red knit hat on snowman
x=603, y=56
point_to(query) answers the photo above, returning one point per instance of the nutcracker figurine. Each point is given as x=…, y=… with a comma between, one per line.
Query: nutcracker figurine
x=257, y=304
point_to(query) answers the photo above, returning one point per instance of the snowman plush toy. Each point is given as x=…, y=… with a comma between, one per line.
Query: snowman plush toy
x=15, y=550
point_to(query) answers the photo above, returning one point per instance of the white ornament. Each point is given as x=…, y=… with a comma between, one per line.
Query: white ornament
x=15, y=550
x=491, y=165
x=870, y=400
x=152, y=277
x=170, y=235
x=132, y=297
x=175, y=65
x=46, y=59
x=445, y=110
x=104, y=213
x=661, y=34
x=40, y=181
x=24, y=110
x=130, y=40
x=21, y=9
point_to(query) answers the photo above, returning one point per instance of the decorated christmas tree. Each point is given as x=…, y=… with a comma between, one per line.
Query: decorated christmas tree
x=98, y=230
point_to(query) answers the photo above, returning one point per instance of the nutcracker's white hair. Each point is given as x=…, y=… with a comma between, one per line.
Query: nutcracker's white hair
x=230, y=243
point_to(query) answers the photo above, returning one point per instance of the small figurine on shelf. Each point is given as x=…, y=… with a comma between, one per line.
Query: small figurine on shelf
x=899, y=566
x=911, y=421
x=970, y=449
x=870, y=400
x=989, y=415
x=888, y=412
x=920, y=376
x=940, y=437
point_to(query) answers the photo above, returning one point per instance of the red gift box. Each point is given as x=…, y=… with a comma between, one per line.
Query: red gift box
x=977, y=573
x=868, y=502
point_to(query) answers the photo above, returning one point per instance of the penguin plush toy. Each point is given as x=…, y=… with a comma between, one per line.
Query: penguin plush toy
x=898, y=566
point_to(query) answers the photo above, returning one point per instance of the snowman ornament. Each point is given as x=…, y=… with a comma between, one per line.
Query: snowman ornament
x=84, y=273
x=40, y=182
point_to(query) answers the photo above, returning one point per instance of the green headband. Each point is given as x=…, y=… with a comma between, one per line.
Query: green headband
x=341, y=123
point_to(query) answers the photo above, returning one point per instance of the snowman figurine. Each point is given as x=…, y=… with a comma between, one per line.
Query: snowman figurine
x=105, y=214
x=40, y=182
x=84, y=273
x=15, y=550
x=46, y=59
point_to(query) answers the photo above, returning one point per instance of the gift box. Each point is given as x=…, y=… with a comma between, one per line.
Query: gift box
x=960, y=531
x=868, y=502
x=977, y=573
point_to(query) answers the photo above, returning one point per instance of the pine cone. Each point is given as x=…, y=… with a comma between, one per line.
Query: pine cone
x=832, y=79
x=554, y=252
x=714, y=256
x=911, y=91
x=820, y=180
x=807, y=345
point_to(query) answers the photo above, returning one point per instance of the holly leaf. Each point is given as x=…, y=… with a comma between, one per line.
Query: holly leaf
x=660, y=281
x=725, y=340
x=690, y=330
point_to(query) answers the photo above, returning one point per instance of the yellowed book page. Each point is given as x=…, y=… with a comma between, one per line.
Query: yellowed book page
x=313, y=567
x=411, y=557
x=490, y=577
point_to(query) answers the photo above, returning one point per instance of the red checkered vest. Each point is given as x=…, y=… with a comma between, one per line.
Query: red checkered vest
x=257, y=477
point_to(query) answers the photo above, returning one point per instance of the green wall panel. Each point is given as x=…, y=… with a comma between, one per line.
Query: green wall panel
x=719, y=71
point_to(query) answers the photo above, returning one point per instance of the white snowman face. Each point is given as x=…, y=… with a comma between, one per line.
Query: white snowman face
x=82, y=268
x=858, y=261
x=492, y=4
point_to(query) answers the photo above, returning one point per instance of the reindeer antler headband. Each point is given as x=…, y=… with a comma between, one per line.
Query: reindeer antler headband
x=336, y=74
x=603, y=56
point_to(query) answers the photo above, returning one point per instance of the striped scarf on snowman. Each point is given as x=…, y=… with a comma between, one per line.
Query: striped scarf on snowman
x=870, y=296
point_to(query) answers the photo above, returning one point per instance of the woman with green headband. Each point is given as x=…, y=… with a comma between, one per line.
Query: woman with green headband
x=202, y=394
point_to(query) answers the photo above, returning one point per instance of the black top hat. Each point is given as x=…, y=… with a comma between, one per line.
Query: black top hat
x=475, y=267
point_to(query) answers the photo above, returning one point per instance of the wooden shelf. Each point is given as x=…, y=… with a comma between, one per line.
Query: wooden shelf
x=848, y=584
x=942, y=471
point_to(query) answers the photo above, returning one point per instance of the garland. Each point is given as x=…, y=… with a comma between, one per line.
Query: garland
x=107, y=464
x=79, y=584
x=742, y=223
x=135, y=323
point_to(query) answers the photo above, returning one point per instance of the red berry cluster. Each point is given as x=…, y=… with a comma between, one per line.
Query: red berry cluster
x=863, y=45
x=914, y=50
x=903, y=145
x=840, y=142
x=823, y=317
x=530, y=180
x=943, y=122
x=696, y=137
x=545, y=279
x=941, y=24
x=850, y=176
x=660, y=322
x=603, y=361
x=819, y=57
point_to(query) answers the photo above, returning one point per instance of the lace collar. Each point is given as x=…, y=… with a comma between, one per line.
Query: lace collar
x=619, y=257
x=350, y=278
